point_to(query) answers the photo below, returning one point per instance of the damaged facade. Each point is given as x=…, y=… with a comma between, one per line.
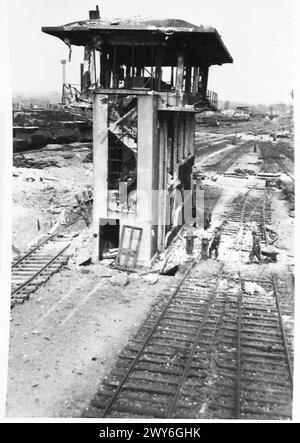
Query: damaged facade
x=152, y=80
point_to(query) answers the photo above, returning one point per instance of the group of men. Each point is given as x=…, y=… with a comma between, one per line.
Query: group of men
x=214, y=246
x=215, y=242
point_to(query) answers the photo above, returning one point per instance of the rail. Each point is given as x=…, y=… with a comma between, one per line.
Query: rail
x=43, y=260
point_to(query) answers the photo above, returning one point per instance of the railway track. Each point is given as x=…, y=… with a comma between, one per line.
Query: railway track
x=202, y=351
x=252, y=374
x=288, y=190
x=36, y=267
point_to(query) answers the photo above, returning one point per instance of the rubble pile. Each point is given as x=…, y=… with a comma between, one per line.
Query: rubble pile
x=35, y=128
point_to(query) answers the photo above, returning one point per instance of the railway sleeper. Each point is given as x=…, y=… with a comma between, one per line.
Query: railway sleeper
x=267, y=414
x=178, y=331
x=34, y=267
x=271, y=381
x=147, y=411
x=166, y=323
x=154, y=389
x=190, y=382
x=262, y=323
x=143, y=377
x=263, y=391
x=263, y=332
x=264, y=348
x=168, y=342
x=20, y=300
x=275, y=371
x=264, y=355
x=140, y=367
x=184, y=312
x=266, y=406
x=252, y=307
x=256, y=317
x=156, y=350
x=146, y=359
x=189, y=305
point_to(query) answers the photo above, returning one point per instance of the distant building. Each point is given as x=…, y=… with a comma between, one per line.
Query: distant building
x=243, y=112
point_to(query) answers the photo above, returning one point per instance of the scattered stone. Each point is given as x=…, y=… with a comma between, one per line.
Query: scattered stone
x=120, y=280
x=151, y=279
x=55, y=210
x=252, y=288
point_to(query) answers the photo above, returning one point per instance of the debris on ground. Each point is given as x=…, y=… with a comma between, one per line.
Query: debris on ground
x=120, y=279
x=252, y=288
x=151, y=279
x=244, y=171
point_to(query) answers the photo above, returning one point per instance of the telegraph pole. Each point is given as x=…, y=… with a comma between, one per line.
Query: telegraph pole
x=63, y=98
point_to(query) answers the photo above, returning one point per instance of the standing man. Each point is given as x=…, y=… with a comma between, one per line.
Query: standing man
x=207, y=219
x=204, y=248
x=255, y=252
x=215, y=243
x=190, y=239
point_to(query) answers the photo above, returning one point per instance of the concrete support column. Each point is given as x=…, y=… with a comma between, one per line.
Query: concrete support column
x=145, y=171
x=188, y=79
x=186, y=136
x=175, y=150
x=196, y=79
x=163, y=135
x=100, y=168
x=192, y=135
x=180, y=73
x=180, y=137
x=204, y=81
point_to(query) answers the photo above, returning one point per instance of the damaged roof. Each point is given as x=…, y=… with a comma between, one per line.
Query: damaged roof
x=203, y=43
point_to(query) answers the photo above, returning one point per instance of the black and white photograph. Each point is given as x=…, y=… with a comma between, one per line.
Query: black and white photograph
x=148, y=221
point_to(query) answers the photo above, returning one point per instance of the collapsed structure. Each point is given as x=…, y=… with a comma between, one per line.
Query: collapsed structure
x=151, y=81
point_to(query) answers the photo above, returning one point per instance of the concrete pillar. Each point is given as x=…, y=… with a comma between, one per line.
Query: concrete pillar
x=145, y=172
x=175, y=150
x=163, y=134
x=186, y=135
x=81, y=76
x=179, y=138
x=204, y=81
x=100, y=168
x=196, y=79
x=103, y=68
x=180, y=73
x=192, y=134
x=188, y=80
x=86, y=78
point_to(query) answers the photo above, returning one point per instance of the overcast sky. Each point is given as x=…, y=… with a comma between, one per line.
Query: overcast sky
x=257, y=33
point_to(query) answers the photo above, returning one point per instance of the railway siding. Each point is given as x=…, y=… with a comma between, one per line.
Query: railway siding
x=36, y=267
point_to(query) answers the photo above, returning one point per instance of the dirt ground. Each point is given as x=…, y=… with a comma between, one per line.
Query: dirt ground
x=66, y=338
x=40, y=193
